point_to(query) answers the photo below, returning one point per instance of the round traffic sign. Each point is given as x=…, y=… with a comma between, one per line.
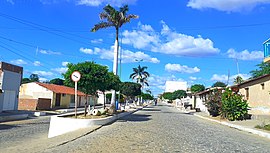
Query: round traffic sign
x=76, y=76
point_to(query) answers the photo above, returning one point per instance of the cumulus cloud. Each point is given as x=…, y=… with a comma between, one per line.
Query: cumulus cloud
x=97, y=41
x=180, y=68
x=102, y=2
x=193, y=78
x=226, y=5
x=64, y=63
x=18, y=62
x=168, y=41
x=127, y=55
x=224, y=78
x=245, y=55
x=11, y=2
x=37, y=63
x=48, y=52
x=60, y=70
x=43, y=73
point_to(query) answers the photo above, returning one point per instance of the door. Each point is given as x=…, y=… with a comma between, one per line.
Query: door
x=57, y=100
x=9, y=100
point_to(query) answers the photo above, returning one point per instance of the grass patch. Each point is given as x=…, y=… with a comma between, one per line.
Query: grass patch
x=263, y=127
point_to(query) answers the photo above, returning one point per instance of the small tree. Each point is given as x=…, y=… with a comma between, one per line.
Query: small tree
x=178, y=94
x=130, y=89
x=264, y=68
x=197, y=88
x=219, y=84
x=147, y=96
x=213, y=103
x=168, y=95
x=233, y=106
x=92, y=77
x=238, y=80
x=34, y=78
x=57, y=81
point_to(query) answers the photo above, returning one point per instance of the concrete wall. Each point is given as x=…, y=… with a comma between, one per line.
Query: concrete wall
x=10, y=82
x=258, y=94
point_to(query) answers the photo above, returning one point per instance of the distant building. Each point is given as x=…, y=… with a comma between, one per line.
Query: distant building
x=36, y=95
x=266, y=48
x=171, y=86
x=10, y=81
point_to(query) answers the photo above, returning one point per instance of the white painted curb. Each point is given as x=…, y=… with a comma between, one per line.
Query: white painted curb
x=60, y=125
x=253, y=131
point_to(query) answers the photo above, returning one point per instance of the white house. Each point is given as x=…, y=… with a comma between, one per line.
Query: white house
x=10, y=81
x=171, y=86
x=58, y=95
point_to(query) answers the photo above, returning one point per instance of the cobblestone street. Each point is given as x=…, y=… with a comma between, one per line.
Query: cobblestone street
x=165, y=129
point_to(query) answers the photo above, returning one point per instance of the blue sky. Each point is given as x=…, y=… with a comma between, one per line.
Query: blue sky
x=198, y=41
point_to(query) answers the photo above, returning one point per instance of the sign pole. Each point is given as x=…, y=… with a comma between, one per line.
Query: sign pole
x=76, y=76
x=75, y=99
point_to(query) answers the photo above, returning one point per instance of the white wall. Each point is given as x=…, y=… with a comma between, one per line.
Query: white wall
x=35, y=91
x=171, y=86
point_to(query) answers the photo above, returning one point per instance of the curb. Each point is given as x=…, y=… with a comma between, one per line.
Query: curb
x=253, y=131
x=13, y=117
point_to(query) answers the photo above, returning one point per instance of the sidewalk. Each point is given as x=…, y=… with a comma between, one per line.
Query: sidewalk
x=245, y=125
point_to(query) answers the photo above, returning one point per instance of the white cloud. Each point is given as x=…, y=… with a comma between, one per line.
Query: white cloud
x=64, y=63
x=168, y=41
x=11, y=2
x=43, y=73
x=224, y=78
x=127, y=55
x=102, y=2
x=180, y=68
x=193, y=78
x=245, y=55
x=60, y=70
x=97, y=41
x=18, y=62
x=37, y=63
x=48, y=52
x=226, y=5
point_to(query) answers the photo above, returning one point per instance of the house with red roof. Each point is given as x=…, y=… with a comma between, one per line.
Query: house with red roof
x=36, y=95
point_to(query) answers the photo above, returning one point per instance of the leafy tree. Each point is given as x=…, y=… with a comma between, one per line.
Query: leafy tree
x=233, y=106
x=92, y=77
x=57, y=81
x=25, y=80
x=110, y=81
x=147, y=96
x=178, y=94
x=238, y=80
x=116, y=19
x=168, y=95
x=197, y=88
x=264, y=68
x=219, y=84
x=213, y=102
x=34, y=78
x=130, y=89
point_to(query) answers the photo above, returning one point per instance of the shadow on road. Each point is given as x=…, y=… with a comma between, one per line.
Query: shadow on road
x=5, y=127
x=151, y=109
x=135, y=118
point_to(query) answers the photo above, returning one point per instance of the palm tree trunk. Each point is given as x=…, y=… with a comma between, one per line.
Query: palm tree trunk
x=115, y=63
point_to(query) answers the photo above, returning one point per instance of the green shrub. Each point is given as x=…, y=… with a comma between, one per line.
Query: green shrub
x=233, y=106
x=213, y=103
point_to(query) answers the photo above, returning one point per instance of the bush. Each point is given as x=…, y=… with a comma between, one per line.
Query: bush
x=213, y=102
x=233, y=106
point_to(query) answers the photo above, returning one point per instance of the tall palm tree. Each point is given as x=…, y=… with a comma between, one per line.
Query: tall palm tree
x=141, y=75
x=238, y=80
x=115, y=19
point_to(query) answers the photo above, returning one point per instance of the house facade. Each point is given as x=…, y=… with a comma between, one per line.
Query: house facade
x=59, y=96
x=10, y=81
x=171, y=86
x=257, y=93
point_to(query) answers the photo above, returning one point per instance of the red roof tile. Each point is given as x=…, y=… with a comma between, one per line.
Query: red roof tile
x=60, y=89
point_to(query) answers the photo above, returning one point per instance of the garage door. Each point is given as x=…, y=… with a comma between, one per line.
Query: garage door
x=9, y=100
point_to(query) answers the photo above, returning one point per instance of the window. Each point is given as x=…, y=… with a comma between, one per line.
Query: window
x=63, y=95
x=262, y=86
x=247, y=93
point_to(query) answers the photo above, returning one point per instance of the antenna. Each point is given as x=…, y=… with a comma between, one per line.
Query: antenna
x=228, y=76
